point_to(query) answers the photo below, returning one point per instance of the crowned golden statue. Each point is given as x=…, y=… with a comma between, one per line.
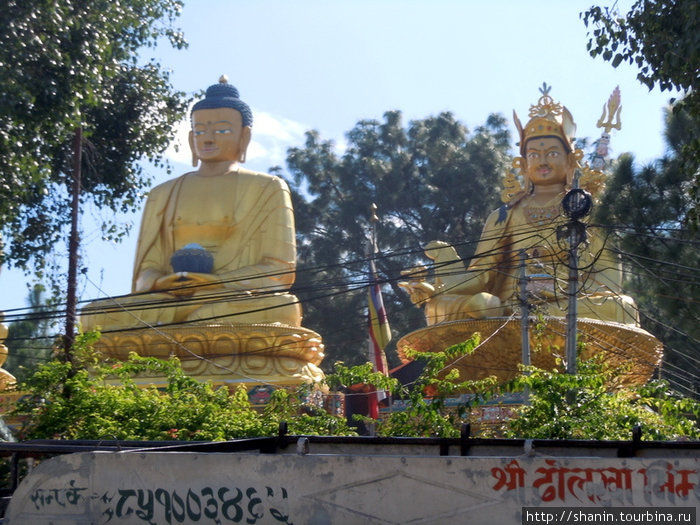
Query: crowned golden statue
x=215, y=259
x=527, y=227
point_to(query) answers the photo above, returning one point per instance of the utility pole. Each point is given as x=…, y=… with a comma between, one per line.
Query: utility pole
x=576, y=204
x=524, y=319
x=73, y=244
x=524, y=311
x=572, y=310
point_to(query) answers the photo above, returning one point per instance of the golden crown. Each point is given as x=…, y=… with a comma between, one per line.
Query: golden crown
x=547, y=119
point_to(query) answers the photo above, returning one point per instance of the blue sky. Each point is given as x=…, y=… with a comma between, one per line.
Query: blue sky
x=325, y=65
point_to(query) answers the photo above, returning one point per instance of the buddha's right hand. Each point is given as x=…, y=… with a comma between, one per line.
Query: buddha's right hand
x=418, y=291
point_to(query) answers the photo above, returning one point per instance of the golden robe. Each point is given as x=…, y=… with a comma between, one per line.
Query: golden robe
x=490, y=287
x=245, y=220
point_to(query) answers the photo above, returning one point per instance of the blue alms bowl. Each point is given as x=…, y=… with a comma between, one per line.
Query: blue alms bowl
x=192, y=259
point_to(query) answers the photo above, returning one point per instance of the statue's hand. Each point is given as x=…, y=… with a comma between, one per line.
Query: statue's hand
x=186, y=283
x=441, y=252
x=419, y=291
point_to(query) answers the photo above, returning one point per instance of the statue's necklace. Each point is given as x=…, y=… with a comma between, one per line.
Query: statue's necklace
x=542, y=215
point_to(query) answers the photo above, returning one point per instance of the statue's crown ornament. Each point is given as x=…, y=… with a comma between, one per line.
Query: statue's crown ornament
x=547, y=119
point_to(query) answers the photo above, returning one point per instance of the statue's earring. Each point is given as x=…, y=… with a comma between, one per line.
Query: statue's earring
x=195, y=160
x=244, y=143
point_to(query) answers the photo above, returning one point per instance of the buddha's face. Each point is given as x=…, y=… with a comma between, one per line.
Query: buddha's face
x=547, y=162
x=218, y=135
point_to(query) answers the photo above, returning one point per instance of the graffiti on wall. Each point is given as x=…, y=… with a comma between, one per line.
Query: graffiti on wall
x=160, y=505
x=659, y=482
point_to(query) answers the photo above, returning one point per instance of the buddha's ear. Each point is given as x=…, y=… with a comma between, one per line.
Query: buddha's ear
x=195, y=158
x=244, y=142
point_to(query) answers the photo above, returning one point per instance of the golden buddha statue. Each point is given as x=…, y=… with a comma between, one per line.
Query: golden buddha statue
x=522, y=242
x=216, y=246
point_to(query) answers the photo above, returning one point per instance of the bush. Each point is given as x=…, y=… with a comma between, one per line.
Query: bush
x=94, y=399
x=585, y=405
x=77, y=401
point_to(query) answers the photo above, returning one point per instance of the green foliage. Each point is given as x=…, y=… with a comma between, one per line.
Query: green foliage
x=302, y=417
x=584, y=406
x=68, y=403
x=645, y=208
x=432, y=179
x=587, y=405
x=662, y=38
x=344, y=376
x=28, y=341
x=78, y=64
x=427, y=413
x=106, y=403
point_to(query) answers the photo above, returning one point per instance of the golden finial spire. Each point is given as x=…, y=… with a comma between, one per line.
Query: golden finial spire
x=373, y=210
x=223, y=79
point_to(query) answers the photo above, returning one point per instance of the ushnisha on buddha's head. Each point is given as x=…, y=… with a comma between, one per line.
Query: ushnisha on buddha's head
x=221, y=126
x=547, y=143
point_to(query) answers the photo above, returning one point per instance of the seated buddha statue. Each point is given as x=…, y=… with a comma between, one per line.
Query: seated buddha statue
x=528, y=223
x=216, y=244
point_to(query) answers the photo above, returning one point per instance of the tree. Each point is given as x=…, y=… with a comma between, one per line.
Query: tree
x=75, y=65
x=662, y=38
x=431, y=180
x=28, y=342
x=645, y=207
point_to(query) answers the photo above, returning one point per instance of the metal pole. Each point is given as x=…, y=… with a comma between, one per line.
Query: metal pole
x=524, y=321
x=373, y=399
x=572, y=313
x=374, y=219
x=576, y=234
x=524, y=311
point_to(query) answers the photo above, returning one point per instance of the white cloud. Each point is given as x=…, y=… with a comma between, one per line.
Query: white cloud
x=179, y=149
x=272, y=136
x=278, y=128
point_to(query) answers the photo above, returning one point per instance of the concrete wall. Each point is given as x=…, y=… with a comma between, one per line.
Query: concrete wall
x=252, y=488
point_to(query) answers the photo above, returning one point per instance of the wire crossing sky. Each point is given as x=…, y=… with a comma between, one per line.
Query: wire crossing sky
x=326, y=65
